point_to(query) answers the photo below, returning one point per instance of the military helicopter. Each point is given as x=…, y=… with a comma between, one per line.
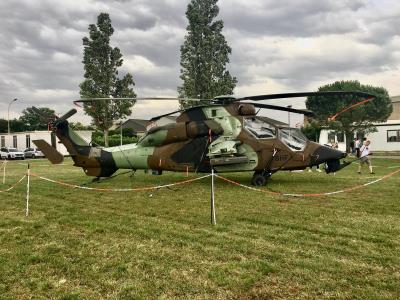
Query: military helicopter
x=225, y=135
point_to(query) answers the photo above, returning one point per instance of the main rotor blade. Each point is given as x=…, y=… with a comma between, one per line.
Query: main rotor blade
x=165, y=115
x=67, y=115
x=45, y=117
x=90, y=100
x=305, y=112
x=305, y=94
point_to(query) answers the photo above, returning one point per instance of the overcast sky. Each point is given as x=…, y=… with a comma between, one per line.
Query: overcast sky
x=277, y=46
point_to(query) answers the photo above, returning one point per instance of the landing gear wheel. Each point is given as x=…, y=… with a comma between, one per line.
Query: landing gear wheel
x=259, y=179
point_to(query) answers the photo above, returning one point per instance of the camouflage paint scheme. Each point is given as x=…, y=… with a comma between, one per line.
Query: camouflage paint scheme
x=203, y=137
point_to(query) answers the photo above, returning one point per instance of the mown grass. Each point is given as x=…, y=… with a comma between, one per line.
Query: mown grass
x=148, y=245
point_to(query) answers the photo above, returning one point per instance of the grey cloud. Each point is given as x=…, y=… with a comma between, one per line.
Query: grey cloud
x=291, y=18
x=41, y=49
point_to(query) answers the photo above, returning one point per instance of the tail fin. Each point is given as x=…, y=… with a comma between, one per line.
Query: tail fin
x=51, y=154
x=94, y=161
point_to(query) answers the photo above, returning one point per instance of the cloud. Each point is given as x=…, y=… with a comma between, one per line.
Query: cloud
x=276, y=46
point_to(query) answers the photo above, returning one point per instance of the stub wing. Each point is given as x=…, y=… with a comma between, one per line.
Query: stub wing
x=51, y=154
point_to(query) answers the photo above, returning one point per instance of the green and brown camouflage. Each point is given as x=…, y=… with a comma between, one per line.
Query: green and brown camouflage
x=224, y=137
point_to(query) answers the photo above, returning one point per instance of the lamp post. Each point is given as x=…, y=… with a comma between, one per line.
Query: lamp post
x=288, y=115
x=8, y=114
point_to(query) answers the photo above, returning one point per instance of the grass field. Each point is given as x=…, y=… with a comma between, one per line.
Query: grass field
x=79, y=244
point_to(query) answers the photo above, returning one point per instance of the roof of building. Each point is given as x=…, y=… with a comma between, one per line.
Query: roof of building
x=138, y=125
x=395, y=99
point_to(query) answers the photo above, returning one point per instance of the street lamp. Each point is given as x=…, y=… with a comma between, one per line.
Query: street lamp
x=8, y=114
x=288, y=114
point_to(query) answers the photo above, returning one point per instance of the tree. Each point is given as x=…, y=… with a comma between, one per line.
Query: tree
x=80, y=126
x=17, y=125
x=101, y=63
x=3, y=126
x=359, y=119
x=311, y=130
x=204, y=55
x=32, y=120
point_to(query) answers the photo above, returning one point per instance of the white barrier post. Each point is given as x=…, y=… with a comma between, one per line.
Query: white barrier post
x=4, y=172
x=27, y=191
x=213, y=218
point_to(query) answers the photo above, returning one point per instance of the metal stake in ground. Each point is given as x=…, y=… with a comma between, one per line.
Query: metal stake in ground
x=4, y=171
x=27, y=190
x=213, y=218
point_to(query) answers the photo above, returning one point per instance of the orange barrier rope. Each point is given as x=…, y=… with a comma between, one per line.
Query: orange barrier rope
x=13, y=186
x=333, y=118
x=350, y=189
x=118, y=190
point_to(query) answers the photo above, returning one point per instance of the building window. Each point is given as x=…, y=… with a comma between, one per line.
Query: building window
x=331, y=137
x=3, y=141
x=28, y=141
x=15, y=144
x=340, y=137
x=393, y=135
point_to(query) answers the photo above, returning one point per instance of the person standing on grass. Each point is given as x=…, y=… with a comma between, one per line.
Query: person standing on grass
x=357, y=146
x=365, y=151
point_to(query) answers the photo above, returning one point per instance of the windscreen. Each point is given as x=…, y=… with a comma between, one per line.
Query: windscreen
x=259, y=128
x=293, y=138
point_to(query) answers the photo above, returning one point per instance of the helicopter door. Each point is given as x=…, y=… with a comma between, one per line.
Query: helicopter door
x=277, y=158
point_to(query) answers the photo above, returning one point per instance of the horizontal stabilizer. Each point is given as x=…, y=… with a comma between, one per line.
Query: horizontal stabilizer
x=50, y=152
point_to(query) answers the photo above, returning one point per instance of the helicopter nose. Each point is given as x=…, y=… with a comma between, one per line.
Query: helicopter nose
x=323, y=154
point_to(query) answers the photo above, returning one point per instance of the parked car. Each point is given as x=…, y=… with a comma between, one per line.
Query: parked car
x=33, y=153
x=11, y=153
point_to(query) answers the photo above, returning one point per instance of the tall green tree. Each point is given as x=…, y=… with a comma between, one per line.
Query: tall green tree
x=204, y=54
x=32, y=121
x=101, y=63
x=3, y=126
x=359, y=119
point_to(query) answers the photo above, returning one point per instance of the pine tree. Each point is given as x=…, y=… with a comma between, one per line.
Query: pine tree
x=101, y=63
x=204, y=55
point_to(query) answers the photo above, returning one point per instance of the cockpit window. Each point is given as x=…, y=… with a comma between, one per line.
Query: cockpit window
x=260, y=128
x=293, y=138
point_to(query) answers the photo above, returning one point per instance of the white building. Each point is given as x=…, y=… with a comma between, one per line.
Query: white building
x=22, y=140
x=386, y=139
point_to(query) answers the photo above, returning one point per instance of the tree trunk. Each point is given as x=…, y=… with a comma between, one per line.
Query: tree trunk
x=105, y=132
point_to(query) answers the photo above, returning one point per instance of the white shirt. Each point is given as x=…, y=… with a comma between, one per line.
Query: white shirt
x=365, y=150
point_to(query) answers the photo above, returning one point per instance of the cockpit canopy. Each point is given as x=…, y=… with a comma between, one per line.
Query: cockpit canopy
x=291, y=137
x=260, y=128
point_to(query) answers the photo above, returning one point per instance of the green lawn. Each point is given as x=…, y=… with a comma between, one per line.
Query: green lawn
x=79, y=244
